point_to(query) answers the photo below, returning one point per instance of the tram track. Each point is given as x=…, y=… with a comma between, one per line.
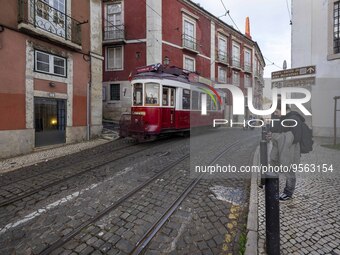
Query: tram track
x=77, y=162
x=113, y=206
x=153, y=230
x=16, y=198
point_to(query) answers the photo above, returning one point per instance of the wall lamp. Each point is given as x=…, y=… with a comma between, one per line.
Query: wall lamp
x=166, y=60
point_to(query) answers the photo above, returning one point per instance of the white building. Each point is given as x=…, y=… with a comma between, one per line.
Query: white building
x=316, y=41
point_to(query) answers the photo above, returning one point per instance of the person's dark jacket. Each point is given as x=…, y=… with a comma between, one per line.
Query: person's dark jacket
x=297, y=131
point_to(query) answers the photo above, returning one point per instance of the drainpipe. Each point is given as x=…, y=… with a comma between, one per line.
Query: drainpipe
x=88, y=98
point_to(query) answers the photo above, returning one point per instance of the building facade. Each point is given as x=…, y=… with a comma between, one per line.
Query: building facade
x=176, y=33
x=316, y=41
x=50, y=73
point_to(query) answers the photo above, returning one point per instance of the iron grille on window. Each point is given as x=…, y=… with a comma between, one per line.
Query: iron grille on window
x=236, y=62
x=337, y=27
x=114, y=32
x=189, y=42
x=115, y=91
x=222, y=56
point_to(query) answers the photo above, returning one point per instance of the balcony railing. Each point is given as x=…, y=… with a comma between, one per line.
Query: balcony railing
x=43, y=16
x=114, y=33
x=236, y=62
x=222, y=57
x=189, y=42
x=247, y=67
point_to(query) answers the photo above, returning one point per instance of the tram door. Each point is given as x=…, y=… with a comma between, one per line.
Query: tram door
x=168, y=109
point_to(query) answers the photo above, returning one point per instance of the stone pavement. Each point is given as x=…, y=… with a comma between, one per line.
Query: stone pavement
x=52, y=152
x=309, y=223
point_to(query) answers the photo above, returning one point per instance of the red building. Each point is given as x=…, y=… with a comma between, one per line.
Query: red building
x=50, y=73
x=179, y=33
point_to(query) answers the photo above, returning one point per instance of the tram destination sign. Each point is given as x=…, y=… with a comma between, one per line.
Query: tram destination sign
x=306, y=70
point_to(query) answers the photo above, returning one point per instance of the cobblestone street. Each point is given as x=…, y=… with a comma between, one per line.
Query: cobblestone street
x=106, y=199
x=309, y=223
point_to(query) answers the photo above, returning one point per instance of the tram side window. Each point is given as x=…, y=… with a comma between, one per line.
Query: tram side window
x=213, y=105
x=172, y=97
x=151, y=93
x=165, y=97
x=186, y=99
x=195, y=100
x=209, y=102
x=219, y=106
x=138, y=94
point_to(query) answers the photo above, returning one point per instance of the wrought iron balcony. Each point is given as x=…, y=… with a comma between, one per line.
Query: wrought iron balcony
x=222, y=57
x=40, y=15
x=247, y=67
x=236, y=62
x=189, y=42
x=114, y=33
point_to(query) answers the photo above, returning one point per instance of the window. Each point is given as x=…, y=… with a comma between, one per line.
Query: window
x=189, y=33
x=236, y=55
x=208, y=103
x=189, y=64
x=113, y=23
x=151, y=93
x=115, y=58
x=168, y=97
x=222, y=49
x=222, y=75
x=138, y=94
x=336, y=27
x=50, y=16
x=236, y=78
x=165, y=97
x=195, y=100
x=186, y=99
x=256, y=67
x=247, y=81
x=213, y=105
x=115, y=92
x=172, y=97
x=247, y=60
x=51, y=64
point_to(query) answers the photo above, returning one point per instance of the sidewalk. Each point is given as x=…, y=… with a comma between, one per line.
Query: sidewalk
x=52, y=152
x=309, y=223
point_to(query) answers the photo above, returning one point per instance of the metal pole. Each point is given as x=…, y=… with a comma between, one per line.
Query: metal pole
x=272, y=205
x=272, y=214
x=335, y=110
x=263, y=154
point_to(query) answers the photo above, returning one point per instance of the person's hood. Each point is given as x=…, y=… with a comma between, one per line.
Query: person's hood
x=294, y=115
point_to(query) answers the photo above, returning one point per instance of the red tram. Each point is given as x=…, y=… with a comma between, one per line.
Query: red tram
x=167, y=100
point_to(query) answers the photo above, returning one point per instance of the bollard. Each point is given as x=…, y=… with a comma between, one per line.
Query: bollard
x=263, y=154
x=272, y=214
x=271, y=182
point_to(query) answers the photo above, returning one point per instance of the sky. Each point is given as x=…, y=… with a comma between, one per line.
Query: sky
x=269, y=26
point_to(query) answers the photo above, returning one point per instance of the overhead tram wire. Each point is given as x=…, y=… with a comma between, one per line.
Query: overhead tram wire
x=272, y=63
x=289, y=13
x=227, y=12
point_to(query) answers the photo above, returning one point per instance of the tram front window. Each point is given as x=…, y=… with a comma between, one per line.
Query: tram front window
x=138, y=94
x=151, y=93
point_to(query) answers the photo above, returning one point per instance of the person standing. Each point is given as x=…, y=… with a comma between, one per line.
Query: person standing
x=286, y=146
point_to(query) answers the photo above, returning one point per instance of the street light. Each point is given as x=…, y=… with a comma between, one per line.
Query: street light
x=166, y=60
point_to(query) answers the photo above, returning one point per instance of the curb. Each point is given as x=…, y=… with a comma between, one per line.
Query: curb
x=252, y=223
